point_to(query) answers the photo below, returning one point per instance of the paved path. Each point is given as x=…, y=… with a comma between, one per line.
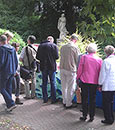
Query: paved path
x=39, y=116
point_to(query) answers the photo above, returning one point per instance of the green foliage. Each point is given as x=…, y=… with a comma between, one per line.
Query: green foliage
x=82, y=43
x=95, y=19
x=16, y=39
x=98, y=21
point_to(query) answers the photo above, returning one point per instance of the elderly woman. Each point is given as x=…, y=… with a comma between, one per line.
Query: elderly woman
x=107, y=80
x=88, y=72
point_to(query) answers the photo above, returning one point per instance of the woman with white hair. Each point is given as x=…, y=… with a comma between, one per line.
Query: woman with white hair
x=88, y=72
x=107, y=80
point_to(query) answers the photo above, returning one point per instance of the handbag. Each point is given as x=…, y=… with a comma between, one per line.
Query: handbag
x=78, y=95
x=25, y=72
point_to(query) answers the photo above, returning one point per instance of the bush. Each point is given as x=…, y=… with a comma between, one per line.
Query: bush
x=81, y=43
x=16, y=38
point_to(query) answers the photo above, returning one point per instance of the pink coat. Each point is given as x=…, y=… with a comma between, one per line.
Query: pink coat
x=89, y=68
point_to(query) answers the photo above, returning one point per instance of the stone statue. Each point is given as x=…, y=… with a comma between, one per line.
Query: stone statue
x=62, y=26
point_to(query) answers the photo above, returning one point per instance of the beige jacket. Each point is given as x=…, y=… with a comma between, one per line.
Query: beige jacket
x=69, y=57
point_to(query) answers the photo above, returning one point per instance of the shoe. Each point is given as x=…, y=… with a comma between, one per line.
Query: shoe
x=45, y=101
x=64, y=105
x=83, y=118
x=53, y=102
x=72, y=106
x=11, y=108
x=107, y=122
x=91, y=120
x=17, y=101
x=33, y=97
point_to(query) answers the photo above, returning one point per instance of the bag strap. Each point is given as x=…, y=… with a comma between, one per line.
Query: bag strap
x=32, y=48
x=35, y=51
x=28, y=57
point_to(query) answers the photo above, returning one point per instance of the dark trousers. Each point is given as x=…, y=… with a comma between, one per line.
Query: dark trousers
x=88, y=90
x=108, y=105
x=16, y=85
x=6, y=90
x=51, y=75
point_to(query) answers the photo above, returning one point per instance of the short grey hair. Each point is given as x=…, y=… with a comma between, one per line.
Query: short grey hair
x=3, y=38
x=50, y=38
x=92, y=48
x=109, y=49
x=74, y=37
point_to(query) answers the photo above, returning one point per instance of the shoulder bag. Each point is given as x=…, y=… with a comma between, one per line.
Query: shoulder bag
x=26, y=73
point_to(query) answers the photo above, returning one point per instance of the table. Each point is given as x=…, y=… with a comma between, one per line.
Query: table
x=59, y=92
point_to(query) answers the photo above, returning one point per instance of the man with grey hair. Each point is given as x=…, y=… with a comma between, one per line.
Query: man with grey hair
x=47, y=53
x=68, y=69
x=8, y=67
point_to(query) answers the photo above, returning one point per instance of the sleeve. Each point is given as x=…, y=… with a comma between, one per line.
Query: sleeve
x=80, y=67
x=102, y=74
x=39, y=55
x=56, y=53
x=22, y=53
x=16, y=59
x=2, y=58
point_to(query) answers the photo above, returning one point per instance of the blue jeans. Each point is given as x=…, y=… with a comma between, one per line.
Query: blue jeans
x=6, y=90
x=51, y=75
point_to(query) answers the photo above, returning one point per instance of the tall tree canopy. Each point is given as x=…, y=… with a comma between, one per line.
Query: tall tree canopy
x=93, y=18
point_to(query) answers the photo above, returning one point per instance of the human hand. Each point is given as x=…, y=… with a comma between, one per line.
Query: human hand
x=99, y=89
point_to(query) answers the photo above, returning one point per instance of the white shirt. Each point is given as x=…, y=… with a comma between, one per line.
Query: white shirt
x=107, y=74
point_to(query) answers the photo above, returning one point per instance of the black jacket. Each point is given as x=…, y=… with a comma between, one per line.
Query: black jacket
x=47, y=53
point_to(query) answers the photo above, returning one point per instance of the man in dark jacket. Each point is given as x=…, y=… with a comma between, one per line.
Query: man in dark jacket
x=47, y=53
x=8, y=67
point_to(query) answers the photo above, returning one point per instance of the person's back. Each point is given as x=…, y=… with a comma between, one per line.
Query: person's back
x=107, y=84
x=47, y=54
x=68, y=69
x=8, y=66
x=27, y=57
x=88, y=73
x=69, y=57
x=9, y=58
x=91, y=68
x=109, y=73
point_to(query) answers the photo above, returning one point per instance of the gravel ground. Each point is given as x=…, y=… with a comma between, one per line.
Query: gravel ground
x=8, y=124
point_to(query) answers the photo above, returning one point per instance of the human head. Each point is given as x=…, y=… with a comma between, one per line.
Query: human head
x=109, y=49
x=3, y=39
x=16, y=45
x=9, y=35
x=50, y=38
x=31, y=39
x=92, y=48
x=62, y=15
x=74, y=38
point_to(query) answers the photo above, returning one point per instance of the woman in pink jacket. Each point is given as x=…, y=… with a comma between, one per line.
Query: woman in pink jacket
x=88, y=72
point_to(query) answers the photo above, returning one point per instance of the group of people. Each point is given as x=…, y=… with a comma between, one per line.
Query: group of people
x=88, y=71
